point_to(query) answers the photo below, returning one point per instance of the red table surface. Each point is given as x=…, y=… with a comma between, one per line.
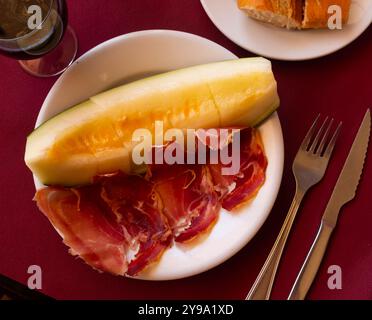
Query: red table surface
x=338, y=85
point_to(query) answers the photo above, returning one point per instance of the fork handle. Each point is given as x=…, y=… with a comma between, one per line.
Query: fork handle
x=311, y=265
x=261, y=288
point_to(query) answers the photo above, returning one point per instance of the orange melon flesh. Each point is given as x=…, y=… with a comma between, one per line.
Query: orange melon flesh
x=96, y=136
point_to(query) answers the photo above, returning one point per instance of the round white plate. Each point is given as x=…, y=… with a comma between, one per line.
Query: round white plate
x=137, y=55
x=280, y=43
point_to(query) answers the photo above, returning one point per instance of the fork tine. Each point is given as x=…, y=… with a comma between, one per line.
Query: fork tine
x=309, y=134
x=331, y=144
x=317, y=137
x=320, y=148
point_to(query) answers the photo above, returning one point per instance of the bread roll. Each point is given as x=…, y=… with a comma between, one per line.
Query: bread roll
x=282, y=13
x=294, y=14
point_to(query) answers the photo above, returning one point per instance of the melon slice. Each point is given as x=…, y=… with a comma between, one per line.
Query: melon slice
x=95, y=136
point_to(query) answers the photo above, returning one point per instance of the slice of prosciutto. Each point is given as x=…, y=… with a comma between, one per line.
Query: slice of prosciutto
x=138, y=210
x=86, y=225
x=114, y=225
x=189, y=200
x=235, y=190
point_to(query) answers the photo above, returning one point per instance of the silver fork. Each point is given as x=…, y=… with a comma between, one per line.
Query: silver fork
x=308, y=169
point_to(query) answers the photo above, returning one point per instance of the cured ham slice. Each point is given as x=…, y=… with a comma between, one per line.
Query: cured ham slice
x=108, y=222
x=189, y=200
x=87, y=226
x=138, y=209
x=235, y=190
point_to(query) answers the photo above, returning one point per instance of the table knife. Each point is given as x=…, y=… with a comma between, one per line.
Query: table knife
x=343, y=192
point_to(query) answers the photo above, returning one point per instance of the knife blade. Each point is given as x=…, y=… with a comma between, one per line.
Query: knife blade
x=343, y=192
x=348, y=180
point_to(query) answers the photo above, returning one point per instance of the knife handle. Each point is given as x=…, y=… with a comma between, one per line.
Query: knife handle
x=312, y=262
x=261, y=288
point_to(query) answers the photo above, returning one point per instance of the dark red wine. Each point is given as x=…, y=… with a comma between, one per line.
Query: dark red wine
x=18, y=40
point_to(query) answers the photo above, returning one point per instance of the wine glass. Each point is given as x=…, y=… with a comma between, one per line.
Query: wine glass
x=36, y=33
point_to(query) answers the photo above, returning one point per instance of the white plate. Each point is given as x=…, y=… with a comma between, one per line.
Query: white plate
x=279, y=43
x=139, y=54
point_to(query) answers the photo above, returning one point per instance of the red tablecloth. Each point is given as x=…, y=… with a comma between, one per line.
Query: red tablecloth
x=338, y=85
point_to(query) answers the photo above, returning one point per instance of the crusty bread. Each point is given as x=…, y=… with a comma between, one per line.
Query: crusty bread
x=316, y=12
x=282, y=13
x=294, y=14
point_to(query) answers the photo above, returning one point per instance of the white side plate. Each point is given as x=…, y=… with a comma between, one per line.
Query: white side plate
x=282, y=44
